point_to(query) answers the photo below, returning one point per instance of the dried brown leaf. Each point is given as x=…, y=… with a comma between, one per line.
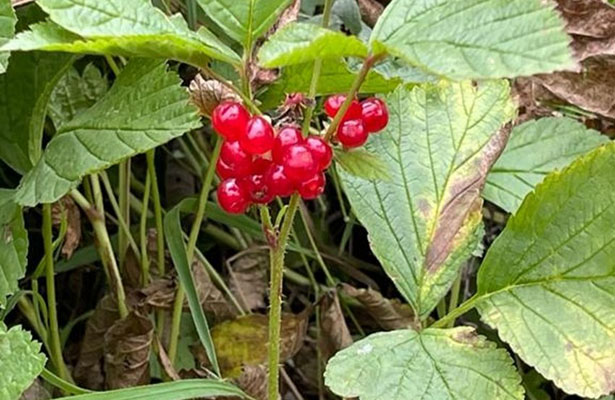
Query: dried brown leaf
x=390, y=314
x=67, y=208
x=165, y=361
x=370, y=11
x=334, y=335
x=207, y=94
x=127, y=347
x=248, y=279
x=36, y=391
x=17, y=3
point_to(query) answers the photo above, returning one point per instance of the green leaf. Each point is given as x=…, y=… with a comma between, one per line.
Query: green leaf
x=362, y=164
x=349, y=13
x=24, y=95
x=335, y=77
x=535, y=149
x=7, y=30
x=302, y=42
x=475, y=39
x=435, y=364
x=178, y=390
x=13, y=245
x=244, y=20
x=438, y=147
x=145, y=108
x=547, y=283
x=75, y=93
x=174, y=237
x=21, y=361
x=132, y=28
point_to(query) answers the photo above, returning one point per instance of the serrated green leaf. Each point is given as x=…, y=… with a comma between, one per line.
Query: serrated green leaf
x=145, y=108
x=244, y=20
x=302, y=42
x=475, y=39
x=435, y=364
x=547, y=283
x=21, y=361
x=75, y=93
x=362, y=164
x=25, y=90
x=13, y=245
x=7, y=30
x=132, y=28
x=535, y=149
x=438, y=147
x=178, y=390
x=335, y=77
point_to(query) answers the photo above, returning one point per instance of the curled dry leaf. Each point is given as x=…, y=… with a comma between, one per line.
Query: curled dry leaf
x=207, y=94
x=66, y=206
x=127, y=347
x=334, y=335
x=390, y=314
x=253, y=381
x=370, y=11
x=248, y=279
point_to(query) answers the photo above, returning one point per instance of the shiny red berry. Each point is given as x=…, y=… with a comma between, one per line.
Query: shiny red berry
x=230, y=119
x=258, y=137
x=375, y=114
x=352, y=133
x=280, y=184
x=312, y=187
x=321, y=151
x=298, y=162
x=257, y=188
x=260, y=165
x=232, y=197
x=334, y=103
x=234, y=157
x=287, y=136
x=223, y=170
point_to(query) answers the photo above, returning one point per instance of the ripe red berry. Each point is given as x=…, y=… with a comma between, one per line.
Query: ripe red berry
x=235, y=158
x=257, y=188
x=352, y=133
x=375, y=114
x=230, y=119
x=312, y=187
x=260, y=165
x=223, y=170
x=232, y=197
x=334, y=103
x=280, y=184
x=321, y=151
x=287, y=136
x=298, y=162
x=258, y=137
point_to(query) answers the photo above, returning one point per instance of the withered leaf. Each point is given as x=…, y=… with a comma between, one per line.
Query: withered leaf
x=164, y=360
x=206, y=94
x=67, y=208
x=253, y=381
x=36, y=391
x=389, y=314
x=334, y=333
x=243, y=341
x=127, y=347
x=370, y=11
x=248, y=279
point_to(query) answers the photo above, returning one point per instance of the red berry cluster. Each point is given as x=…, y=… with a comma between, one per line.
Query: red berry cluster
x=362, y=118
x=257, y=164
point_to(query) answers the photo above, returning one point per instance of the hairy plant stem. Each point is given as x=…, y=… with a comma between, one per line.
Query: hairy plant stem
x=124, y=206
x=54, y=329
x=105, y=249
x=151, y=170
x=145, y=264
x=191, y=247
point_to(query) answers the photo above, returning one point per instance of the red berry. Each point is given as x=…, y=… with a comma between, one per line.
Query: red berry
x=287, y=136
x=230, y=119
x=352, y=133
x=257, y=188
x=224, y=171
x=375, y=114
x=321, y=151
x=280, y=184
x=260, y=165
x=298, y=162
x=312, y=187
x=234, y=157
x=258, y=137
x=232, y=197
x=334, y=103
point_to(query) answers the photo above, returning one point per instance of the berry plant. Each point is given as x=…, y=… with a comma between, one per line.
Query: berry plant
x=307, y=199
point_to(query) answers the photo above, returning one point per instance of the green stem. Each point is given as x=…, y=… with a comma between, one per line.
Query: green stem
x=192, y=239
x=454, y=300
x=54, y=329
x=247, y=100
x=105, y=249
x=457, y=312
x=151, y=170
x=143, y=233
x=124, y=206
x=277, y=252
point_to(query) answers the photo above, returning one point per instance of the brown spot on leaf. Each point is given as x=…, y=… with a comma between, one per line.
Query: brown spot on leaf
x=334, y=335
